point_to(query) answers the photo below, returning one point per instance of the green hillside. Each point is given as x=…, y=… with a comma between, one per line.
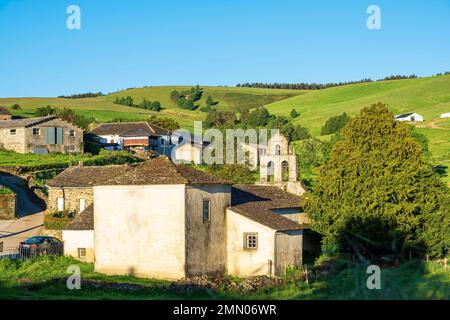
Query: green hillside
x=103, y=109
x=429, y=97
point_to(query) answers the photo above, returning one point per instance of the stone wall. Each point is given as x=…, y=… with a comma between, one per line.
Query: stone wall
x=72, y=198
x=8, y=206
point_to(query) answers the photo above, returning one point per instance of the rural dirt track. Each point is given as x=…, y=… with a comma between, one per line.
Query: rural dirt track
x=31, y=215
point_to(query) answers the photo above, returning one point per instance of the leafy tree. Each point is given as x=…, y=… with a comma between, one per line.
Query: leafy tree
x=294, y=132
x=210, y=101
x=156, y=106
x=220, y=119
x=77, y=119
x=238, y=174
x=166, y=123
x=294, y=113
x=127, y=101
x=175, y=96
x=16, y=107
x=377, y=194
x=145, y=104
x=44, y=111
x=259, y=117
x=334, y=124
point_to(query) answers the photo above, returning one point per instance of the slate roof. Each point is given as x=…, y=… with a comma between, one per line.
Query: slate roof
x=83, y=221
x=256, y=202
x=162, y=171
x=125, y=128
x=25, y=122
x=82, y=177
x=4, y=111
x=404, y=115
x=155, y=171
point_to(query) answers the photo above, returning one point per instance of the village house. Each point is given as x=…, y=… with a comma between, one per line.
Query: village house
x=72, y=190
x=410, y=117
x=4, y=114
x=445, y=115
x=129, y=135
x=40, y=135
x=161, y=220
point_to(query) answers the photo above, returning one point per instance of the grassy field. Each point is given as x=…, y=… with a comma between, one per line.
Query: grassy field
x=103, y=109
x=429, y=97
x=46, y=279
x=30, y=160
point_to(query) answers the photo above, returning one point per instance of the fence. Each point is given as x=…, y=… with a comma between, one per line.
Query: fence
x=30, y=254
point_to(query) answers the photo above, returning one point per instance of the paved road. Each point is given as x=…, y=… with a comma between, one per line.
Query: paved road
x=12, y=232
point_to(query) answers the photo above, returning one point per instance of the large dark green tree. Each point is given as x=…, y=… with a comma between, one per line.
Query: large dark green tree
x=377, y=194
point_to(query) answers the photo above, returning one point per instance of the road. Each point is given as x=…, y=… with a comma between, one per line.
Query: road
x=31, y=215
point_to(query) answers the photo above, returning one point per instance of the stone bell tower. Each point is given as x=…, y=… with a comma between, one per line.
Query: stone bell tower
x=278, y=166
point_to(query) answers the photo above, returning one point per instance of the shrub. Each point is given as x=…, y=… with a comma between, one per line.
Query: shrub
x=334, y=124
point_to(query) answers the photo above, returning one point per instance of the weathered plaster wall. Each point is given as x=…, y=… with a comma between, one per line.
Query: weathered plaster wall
x=188, y=153
x=75, y=239
x=13, y=142
x=248, y=262
x=140, y=230
x=288, y=250
x=71, y=196
x=205, y=241
x=8, y=206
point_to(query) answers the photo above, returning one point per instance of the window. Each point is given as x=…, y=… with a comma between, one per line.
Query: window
x=81, y=253
x=12, y=132
x=206, y=210
x=36, y=131
x=250, y=241
x=72, y=133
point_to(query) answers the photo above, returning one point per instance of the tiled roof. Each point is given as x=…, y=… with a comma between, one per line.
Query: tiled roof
x=123, y=128
x=25, y=122
x=82, y=177
x=156, y=171
x=256, y=203
x=83, y=221
x=162, y=171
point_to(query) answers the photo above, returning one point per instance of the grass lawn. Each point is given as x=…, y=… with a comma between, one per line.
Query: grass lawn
x=46, y=277
x=30, y=160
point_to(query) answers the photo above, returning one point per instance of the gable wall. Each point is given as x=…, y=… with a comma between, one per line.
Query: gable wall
x=140, y=230
x=205, y=241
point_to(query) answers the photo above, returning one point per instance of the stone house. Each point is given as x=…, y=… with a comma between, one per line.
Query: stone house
x=126, y=135
x=162, y=220
x=40, y=135
x=72, y=190
x=409, y=117
x=4, y=114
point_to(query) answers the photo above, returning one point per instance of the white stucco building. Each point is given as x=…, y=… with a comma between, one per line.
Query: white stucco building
x=161, y=220
x=410, y=117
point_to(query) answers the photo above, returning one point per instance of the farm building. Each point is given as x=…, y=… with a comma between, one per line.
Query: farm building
x=40, y=135
x=4, y=114
x=445, y=115
x=140, y=135
x=162, y=220
x=410, y=117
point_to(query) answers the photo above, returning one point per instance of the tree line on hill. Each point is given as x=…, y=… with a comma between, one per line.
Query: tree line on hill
x=145, y=104
x=83, y=95
x=317, y=86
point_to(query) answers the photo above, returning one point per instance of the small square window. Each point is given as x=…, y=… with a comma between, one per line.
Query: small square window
x=72, y=133
x=12, y=132
x=36, y=131
x=250, y=241
x=206, y=210
x=81, y=253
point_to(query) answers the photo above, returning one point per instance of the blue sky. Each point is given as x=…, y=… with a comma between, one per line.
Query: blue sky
x=127, y=43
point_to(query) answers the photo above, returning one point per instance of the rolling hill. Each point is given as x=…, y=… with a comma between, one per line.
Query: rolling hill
x=428, y=96
x=103, y=109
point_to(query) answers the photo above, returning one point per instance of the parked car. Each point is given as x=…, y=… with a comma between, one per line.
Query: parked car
x=40, y=246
